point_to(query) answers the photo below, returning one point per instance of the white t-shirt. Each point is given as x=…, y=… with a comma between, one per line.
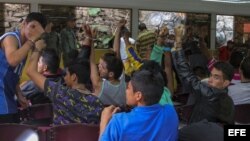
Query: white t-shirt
x=240, y=93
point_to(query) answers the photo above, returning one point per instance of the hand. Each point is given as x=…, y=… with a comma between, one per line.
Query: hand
x=40, y=44
x=23, y=101
x=94, y=32
x=87, y=30
x=108, y=112
x=122, y=23
x=164, y=31
x=179, y=31
x=33, y=30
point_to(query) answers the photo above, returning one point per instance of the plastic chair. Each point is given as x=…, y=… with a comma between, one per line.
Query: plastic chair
x=18, y=132
x=242, y=114
x=73, y=132
x=39, y=114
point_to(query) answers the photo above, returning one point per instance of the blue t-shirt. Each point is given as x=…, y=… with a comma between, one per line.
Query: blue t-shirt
x=150, y=123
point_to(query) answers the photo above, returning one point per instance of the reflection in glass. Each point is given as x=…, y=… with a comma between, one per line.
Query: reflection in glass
x=224, y=29
x=104, y=19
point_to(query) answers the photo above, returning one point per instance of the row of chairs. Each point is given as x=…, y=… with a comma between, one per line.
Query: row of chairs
x=69, y=132
x=42, y=114
x=39, y=114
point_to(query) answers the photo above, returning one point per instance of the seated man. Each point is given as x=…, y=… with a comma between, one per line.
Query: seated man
x=212, y=101
x=240, y=92
x=154, y=67
x=108, y=80
x=148, y=120
x=73, y=103
x=48, y=66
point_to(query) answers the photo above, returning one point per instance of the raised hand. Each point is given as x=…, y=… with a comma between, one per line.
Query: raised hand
x=87, y=30
x=40, y=44
x=179, y=32
x=108, y=112
x=164, y=31
x=122, y=23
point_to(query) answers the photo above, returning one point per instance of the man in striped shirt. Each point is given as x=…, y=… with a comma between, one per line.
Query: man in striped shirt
x=146, y=38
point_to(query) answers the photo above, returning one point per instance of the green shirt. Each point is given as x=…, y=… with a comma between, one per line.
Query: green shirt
x=166, y=97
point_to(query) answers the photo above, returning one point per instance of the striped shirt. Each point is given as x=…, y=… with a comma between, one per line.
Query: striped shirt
x=145, y=39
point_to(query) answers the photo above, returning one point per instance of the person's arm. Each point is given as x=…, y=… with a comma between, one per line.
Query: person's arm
x=106, y=116
x=21, y=99
x=31, y=71
x=203, y=47
x=183, y=68
x=116, y=45
x=10, y=44
x=94, y=75
x=169, y=71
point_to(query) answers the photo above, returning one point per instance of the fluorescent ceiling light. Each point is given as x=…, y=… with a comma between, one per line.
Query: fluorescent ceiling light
x=230, y=1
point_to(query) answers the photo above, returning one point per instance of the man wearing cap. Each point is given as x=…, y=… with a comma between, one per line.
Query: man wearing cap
x=69, y=41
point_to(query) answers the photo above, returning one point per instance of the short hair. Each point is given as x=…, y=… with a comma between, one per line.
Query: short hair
x=71, y=57
x=51, y=59
x=245, y=67
x=154, y=67
x=236, y=58
x=124, y=31
x=200, y=72
x=151, y=66
x=82, y=71
x=226, y=68
x=151, y=85
x=114, y=64
x=142, y=26
x=37, y=16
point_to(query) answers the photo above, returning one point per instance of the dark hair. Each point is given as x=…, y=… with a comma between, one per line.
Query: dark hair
x=82, y=71
x=71, y=57
x=142, y=26
x=124, y=31
x=153, y=67
x=200, y=72
x=245, y=67
x=150, y=84
x=51, y=59
x=114, y=64
x=36, y=16
x=236, y=58
x=226, y=68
